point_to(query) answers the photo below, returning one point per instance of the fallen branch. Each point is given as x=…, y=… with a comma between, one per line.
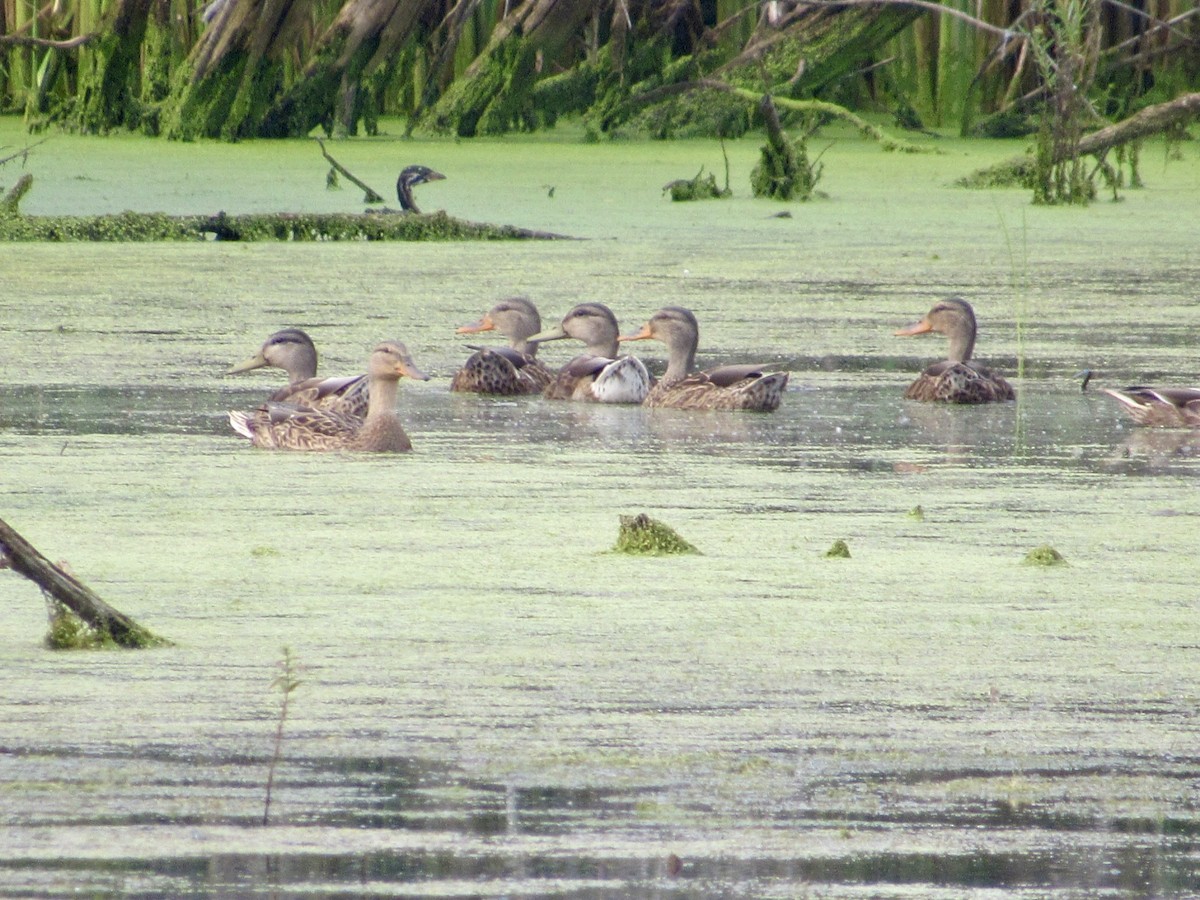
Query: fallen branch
x=133, y=226
x=10, y=204
x=21, y=40
x=370, y=195
x=810, y=106
x=23, y=558
x=23, y=153
x=1151, y=120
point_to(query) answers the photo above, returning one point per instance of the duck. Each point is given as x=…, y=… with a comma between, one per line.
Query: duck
x=722, y=387
x=955, y=379
x=1174, y=407
x=596, y=375
x=509, y=370
x=410, y=178
x=292, y=350
x=287, y=426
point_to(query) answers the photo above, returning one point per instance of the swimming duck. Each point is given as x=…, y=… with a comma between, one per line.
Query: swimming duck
x=293, y=351
x=505, y=370
x=410, y=178
x=1160, y=407
x=722, y=387
x=955, y=379
x=597, y=374
x=285, y=426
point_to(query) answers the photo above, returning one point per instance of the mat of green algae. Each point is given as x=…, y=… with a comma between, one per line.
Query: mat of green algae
x=492, y=703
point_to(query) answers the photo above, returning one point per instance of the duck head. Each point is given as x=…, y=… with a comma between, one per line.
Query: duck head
x=410, y=178
x=515, y=317
x=678, y=329
x=290, y=349
x=592, y=323
x=954, y=318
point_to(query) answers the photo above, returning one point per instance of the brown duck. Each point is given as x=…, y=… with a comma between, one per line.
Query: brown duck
x=509, y=370
x=1160, y=407
x=597, y=374
x=293, y=351
x=285, y=426
x=955, y=379
x=722, y=387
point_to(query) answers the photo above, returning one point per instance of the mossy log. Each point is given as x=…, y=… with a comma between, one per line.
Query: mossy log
x=1019, y=171
x=384, y=226
x=22, y=557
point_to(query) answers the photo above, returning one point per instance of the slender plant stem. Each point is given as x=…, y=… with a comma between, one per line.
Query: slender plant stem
x=286, y=682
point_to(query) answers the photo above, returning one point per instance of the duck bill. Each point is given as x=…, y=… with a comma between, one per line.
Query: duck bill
x=643, y=335
x=915, y=328
x=550, y=334
x=407, y=368
x=484, y=324
x=255, y=362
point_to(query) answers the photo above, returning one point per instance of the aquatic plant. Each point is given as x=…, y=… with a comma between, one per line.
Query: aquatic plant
x=641, y=535
x=839, y=550
x=69, y=632
x=702, y=187
x=1044, y=555
x=286, y=682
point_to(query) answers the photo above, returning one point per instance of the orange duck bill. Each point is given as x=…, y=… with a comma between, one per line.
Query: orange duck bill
x=484, y=324
x=915, y=328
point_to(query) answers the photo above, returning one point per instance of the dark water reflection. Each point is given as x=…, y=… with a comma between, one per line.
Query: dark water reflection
x=839, y=424
x=411, y=827
x=407, y=826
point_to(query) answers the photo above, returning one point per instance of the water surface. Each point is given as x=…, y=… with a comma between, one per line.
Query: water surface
x=492, y=704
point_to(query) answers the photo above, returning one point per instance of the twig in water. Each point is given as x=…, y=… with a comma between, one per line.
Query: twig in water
x=287, y=682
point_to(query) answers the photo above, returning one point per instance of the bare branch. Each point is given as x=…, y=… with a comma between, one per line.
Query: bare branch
x=20, y=40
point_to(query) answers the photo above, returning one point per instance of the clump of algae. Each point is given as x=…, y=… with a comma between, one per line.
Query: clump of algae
x=839, y=550
x=641, y=535
x=69, y=632
x=1045, y=555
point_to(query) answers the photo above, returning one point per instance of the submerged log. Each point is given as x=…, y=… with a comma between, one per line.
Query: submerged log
x=22, y=557
x=133, y=226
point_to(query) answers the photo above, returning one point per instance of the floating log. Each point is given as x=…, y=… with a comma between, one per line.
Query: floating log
x=135, y=226
x=22, y=557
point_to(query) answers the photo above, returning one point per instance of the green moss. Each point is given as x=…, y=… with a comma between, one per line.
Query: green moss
x=641, y=535
x=838, y=550
x=69, y=632
x=1016, y=172
x=131, y=226
x=1045, y=555
x=702, y=187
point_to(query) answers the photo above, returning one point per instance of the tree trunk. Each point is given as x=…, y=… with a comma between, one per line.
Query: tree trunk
x=108, y=83
x=491, y=97
x=364, y=37
x=18, y=554
x=235, y=69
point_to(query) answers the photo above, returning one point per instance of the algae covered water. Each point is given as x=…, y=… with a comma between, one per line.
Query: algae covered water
x=494, y=704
